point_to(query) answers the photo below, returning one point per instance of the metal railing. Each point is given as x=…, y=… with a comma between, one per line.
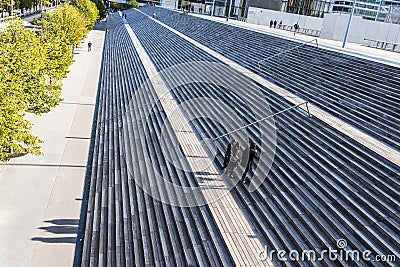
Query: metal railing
x=389, y=46
x=263, y=119
x=286, y=51
x=305, y=31
x=216, y=138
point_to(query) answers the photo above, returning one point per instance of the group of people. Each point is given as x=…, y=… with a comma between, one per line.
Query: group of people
x=274, y=23
x=232, y=159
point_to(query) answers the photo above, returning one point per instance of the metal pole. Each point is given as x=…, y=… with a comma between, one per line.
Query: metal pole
x=379, y=8
x=226, y=7
x=348, y=23
x=229, y=11
x=212, y=8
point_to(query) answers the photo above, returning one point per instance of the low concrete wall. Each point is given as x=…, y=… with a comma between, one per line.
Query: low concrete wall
x=334, y=27
x=263, y=17
x=172, y=4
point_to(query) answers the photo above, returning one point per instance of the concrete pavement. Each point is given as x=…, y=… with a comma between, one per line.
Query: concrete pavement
x=40, y=197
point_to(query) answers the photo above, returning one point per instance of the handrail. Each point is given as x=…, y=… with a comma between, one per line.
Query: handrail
x=290, y=49
x=221, y=136
x=263, y=119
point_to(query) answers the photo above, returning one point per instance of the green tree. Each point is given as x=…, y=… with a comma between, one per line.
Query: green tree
x=67, y=22
x=100, y=7
x=132, y=4
x=89, y=10
x=27, y=61
x=32, y=67
x=20, y=64
x=58, y=57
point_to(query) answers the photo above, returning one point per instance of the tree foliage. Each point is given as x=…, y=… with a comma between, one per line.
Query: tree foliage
x=19, y=63
x=66, y=22
x=32, y=66
x=23, y=5
x=100, y=7
x=89, y=10
x=132, y=4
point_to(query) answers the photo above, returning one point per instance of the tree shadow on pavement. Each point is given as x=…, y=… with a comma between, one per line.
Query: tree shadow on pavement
x=58, y=231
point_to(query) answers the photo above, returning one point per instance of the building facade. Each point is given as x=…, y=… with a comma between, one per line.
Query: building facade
x=314, y=8
x=368, y=9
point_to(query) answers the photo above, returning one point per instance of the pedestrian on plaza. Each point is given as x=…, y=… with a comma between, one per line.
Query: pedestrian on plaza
x=154, y=15
x=280, y=24
x=249, y=155
x=296, y=28
x=275, y=23
x=234, y=159
x=271, y=23
x=89, y=45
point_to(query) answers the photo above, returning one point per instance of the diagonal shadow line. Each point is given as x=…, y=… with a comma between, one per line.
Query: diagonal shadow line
x=63, y=221
x=77, y=137
x=60, y=229
x=71, y=240
x=76, y=103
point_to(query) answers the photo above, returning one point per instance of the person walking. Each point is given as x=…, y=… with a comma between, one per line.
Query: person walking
x=89, y=45
x=271, y=22
x=249, y=155
x=228, y=154
x=275, y=23
x=154, y=15
x=234, y=158
x=296, y=28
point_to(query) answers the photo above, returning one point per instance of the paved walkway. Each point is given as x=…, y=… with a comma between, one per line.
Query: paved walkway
x=358, y=50
x=40, y=197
